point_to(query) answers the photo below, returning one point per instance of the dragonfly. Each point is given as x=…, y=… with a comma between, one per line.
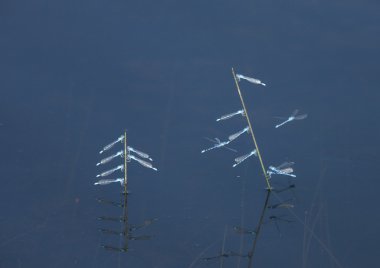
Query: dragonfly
x=139, y=153
x=121, y=154
x=237, y=134
x=249, y=79
x=283, y=169
x=109, y=158
x=242, y=158
x=109, y=172
x=109, y=181
x=218, y=144
x=292, y=117
x=112, y=144
x=141, y=162
x=228, y=116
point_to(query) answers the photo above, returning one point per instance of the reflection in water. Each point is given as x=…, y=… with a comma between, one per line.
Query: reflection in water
x=276, y=219
x=123, y=232
x=116, y=204
x=126, y=232
x=225, y=255
x=283, y=189
x=258, y=229
x=242, y=231
x=284, y=204
x=273, y=219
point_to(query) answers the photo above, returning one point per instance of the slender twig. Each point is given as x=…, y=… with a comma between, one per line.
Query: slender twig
x=251, y=131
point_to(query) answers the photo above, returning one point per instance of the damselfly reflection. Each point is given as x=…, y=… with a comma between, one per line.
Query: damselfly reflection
x=146, y=223
x=218, y=144
x=140, y=237
x=243, y=231
x=285, y=204
x=283, y=169
x=124, y=233
x=242, y=158
x=292, y=117
x=226, y=255
x=112, y=232
x=250, y=79
x=127, y=231
x=285, y=188
x=116, y=219
x=278, y=219
x=125, y=248
x=114, y=248
x=104, y=201
x=228, y=116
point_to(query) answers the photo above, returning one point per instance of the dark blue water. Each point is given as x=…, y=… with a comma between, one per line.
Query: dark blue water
x=76, y=74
